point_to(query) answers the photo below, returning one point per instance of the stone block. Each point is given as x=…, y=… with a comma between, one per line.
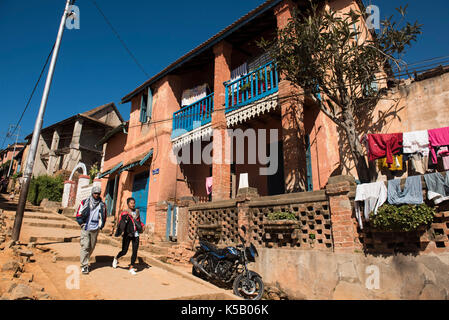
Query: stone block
x=22, y=292
x=11, y=266
x=27, y=253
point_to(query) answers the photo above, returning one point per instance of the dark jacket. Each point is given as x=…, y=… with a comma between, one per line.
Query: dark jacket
x=82, y=216
x=127, y=225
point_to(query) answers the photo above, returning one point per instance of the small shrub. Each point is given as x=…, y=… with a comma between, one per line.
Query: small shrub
x=5, y=166
x=93, y=172
x=45, y=187
x=281, y=216
x=404, y=218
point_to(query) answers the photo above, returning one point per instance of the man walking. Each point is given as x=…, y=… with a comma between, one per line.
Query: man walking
x=91, y=216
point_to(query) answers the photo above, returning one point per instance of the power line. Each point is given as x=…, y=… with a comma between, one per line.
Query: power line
x=34, y=90
x=68, y=136
x=119, y=38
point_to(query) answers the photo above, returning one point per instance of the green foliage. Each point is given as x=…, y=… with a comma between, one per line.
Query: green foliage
x=15, y=176
x=5, y=166
x=93, y=172
x=404, y=218
x=45, y=187
x=328, y=53
x=281, y=216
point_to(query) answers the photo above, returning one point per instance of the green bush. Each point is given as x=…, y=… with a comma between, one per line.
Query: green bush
x=5, y=166
x=281, y=216
x=404, y=218
x=93, y=172
x=45, y=187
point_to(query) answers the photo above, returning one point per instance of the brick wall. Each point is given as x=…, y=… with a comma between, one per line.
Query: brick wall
x=325, y=221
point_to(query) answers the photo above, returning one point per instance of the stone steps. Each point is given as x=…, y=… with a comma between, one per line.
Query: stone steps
x=38, y=217
x=42, y=234
x=50, y=225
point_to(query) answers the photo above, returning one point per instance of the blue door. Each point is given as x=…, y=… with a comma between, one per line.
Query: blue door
x=140, y=193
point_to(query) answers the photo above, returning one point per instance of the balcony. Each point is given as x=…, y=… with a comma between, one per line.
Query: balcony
x=252, y=87
x=246, y=97
x=193, y=116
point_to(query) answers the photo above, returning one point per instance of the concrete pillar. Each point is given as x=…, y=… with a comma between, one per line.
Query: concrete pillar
x=244, y=196
x=160, y=225
x=75, y=144
x=183, y=220
x=292, y=117
x=221, y=167
x=53, y=158
x=344, y=225
x=69, y=194
x=83, y=181
x=102, y=156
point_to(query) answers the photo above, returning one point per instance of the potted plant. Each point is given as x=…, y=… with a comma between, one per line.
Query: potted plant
x=281, y=220
x=406, y=218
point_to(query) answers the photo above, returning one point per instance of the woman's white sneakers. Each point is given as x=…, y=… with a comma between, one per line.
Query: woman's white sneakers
x=114, y=265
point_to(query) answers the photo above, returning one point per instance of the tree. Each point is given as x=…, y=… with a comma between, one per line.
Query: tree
x=323, y=52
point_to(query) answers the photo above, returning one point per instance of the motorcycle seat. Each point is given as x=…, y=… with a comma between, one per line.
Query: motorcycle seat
x=215, y=249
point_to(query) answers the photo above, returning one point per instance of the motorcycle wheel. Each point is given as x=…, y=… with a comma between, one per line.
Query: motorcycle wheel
x=248, y=290
x=197, y=273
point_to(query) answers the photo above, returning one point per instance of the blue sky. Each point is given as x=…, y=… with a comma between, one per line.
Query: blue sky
x=93, y=68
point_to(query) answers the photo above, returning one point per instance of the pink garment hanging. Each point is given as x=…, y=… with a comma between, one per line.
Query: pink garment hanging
x=444, y=154
x=209, y=185
x=437, y=138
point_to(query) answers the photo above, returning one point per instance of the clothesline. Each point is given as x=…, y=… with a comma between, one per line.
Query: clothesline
x=374, y=195
x=418, y=144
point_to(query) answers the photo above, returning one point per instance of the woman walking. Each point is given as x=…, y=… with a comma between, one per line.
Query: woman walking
x=130, y=226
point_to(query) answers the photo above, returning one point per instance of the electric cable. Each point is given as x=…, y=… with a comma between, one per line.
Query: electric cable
x=32, y=93
x=119, y=38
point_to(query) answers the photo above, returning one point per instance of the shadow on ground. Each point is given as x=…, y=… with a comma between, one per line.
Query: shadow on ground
x=106, y=262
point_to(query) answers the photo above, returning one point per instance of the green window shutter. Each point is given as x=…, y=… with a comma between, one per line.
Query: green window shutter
x=150, y=104
x=143, y=109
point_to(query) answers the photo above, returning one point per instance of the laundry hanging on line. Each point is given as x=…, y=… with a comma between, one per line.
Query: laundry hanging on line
x=373, y=195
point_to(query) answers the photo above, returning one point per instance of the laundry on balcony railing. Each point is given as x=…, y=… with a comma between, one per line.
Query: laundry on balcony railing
x=193, y=116
x=254, y=86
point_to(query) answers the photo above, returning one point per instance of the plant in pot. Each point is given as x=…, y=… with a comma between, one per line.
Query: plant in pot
x=280, y=224
x=406, y=218
x=281, y=220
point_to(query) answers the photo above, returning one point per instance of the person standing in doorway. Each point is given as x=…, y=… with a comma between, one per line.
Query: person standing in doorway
x=91, y=216
x=130, y=227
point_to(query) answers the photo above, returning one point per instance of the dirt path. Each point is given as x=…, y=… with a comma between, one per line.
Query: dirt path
x=57, y=269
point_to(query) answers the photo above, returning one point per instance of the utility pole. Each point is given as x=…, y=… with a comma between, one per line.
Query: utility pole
x=14, y=152
x=37, y=129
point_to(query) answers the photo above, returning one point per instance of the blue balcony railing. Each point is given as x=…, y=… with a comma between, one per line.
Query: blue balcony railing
x=252, y=87
x=193, y=116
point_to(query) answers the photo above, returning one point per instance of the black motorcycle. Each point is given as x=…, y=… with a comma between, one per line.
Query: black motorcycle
x=229, y=265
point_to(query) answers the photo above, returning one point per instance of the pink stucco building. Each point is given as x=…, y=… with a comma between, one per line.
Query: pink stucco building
x=230, y=83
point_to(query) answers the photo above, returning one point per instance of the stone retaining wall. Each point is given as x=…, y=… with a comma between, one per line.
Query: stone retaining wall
x=340, y=276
